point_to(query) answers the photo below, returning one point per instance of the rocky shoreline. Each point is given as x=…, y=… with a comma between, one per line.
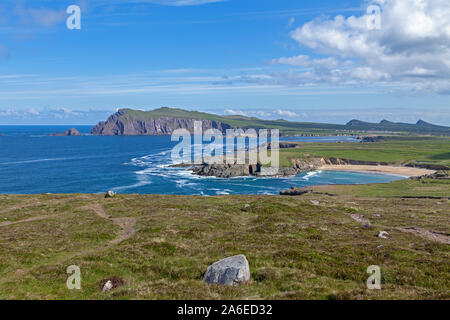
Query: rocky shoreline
x=307, y=165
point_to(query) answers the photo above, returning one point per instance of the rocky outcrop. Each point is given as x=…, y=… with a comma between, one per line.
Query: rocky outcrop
x=370, y=138
x=298, y=166
x=123, y=123
x=340, y=161
x=71, y=132
x=293, y=191
x=229, y=271
x=427, y=166
x=225, y=170
x=241, y=170
x=442, y=174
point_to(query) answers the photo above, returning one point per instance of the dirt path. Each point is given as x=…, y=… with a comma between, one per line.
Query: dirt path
x=37, y=218
x=128, y=230
x=427, y=234
x=423, y=233
x=127, y=224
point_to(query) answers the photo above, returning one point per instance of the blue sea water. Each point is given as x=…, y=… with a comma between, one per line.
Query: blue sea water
x=33, y=162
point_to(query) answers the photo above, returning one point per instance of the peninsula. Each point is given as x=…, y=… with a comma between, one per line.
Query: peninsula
x=164, y=121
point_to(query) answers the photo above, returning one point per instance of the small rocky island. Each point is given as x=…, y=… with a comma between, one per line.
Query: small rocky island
x=71, y=132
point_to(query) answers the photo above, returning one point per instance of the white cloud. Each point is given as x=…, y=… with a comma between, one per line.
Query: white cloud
x=7, y=113
x=235, y=112
x=306, y=61
x=33, y=111
x=285, y=113
x=262, y=114
x=412, y=46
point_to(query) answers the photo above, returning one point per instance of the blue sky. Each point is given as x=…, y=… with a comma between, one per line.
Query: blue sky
x=297, y=60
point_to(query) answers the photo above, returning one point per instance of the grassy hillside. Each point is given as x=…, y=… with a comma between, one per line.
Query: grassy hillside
x=395, y=149
x=161, y=245
x=293, y=128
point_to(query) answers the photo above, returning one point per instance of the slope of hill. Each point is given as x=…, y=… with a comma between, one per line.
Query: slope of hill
x=164, y=121
x=385, y=125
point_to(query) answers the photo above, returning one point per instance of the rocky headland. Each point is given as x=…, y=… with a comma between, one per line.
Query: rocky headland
x=305, y=165
x=127, y=123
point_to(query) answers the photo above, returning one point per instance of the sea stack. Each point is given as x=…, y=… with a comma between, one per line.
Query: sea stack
x=71, y=132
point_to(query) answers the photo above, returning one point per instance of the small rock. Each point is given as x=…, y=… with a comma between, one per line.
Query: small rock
x=294, y=192
x=229, y=271
x=380, y=246
x=367, y=226
x=383, y=234
x=377, y=215
x=108, y=286
x=110, y=194
x=111, y=283
x=315, y=202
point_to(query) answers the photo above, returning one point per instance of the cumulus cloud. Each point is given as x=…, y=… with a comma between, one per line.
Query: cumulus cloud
x=412, y=46
x=285, y=113
x=262, y=114
x=235, y=112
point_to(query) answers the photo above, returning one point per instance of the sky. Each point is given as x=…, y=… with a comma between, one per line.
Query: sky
x=300, y=60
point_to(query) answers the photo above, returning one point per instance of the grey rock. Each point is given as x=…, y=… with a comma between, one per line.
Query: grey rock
x=68, y=133
x=229, y=271
x=383, y=235
x=293, y=191
x=315, y=202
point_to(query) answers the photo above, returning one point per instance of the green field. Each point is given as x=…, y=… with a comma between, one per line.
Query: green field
x=396, y=150
x=296, y=249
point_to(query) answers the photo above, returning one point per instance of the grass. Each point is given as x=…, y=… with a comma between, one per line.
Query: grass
x=296, y=250
x=397, y=189
x=398, y=150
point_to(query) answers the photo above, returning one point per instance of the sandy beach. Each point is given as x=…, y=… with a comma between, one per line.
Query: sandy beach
x=401, y=171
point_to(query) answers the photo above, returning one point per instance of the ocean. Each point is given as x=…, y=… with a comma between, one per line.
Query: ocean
x=32, y=162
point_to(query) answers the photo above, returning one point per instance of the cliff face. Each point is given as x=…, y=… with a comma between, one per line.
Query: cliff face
x=122, y=123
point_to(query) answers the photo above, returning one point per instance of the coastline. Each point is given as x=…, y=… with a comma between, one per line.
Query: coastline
x=407, y=172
